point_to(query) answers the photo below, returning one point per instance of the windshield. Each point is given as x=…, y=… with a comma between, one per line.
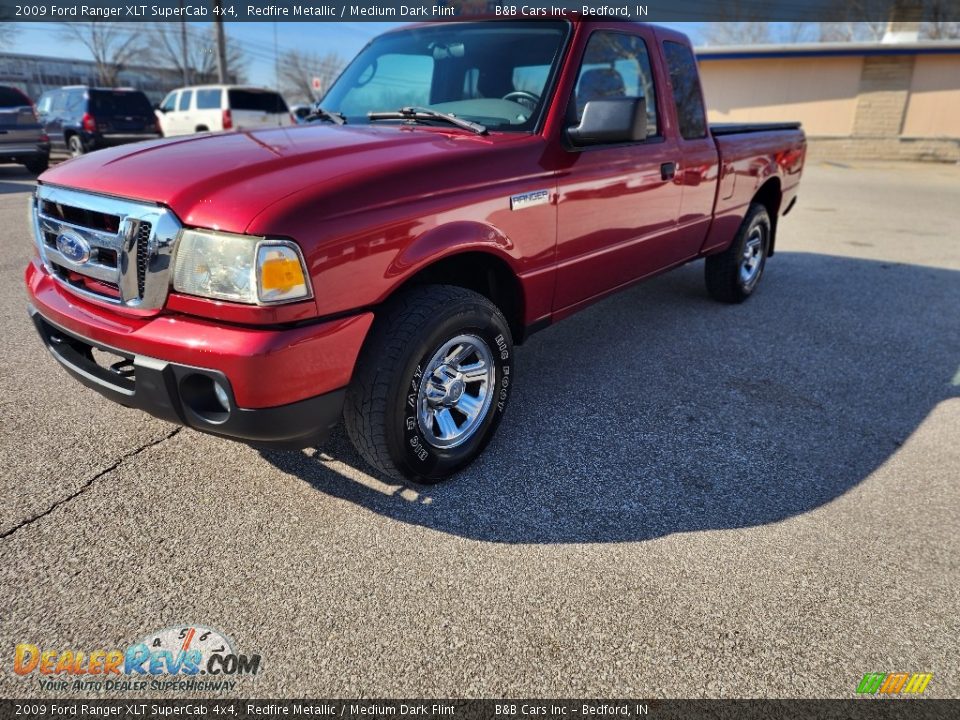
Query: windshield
x=493, y=73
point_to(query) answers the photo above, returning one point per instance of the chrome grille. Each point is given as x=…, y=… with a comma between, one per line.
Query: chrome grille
x=106, y=249
x=143, y=255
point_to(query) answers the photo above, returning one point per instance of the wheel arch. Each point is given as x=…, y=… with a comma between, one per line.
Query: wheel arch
x=481, y=270
x=770, y=196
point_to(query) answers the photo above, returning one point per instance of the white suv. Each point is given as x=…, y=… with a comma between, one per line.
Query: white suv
x=206, y=108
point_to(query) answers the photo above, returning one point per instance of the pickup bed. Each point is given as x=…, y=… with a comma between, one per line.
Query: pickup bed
x=460, y=186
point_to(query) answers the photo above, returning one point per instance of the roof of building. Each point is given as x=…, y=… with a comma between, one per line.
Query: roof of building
x=829, y=49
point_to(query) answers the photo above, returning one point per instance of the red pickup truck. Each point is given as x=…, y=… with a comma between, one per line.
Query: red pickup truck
x=463, y=185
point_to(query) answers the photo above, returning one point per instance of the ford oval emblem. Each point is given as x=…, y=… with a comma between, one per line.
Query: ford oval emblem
x=73, y=247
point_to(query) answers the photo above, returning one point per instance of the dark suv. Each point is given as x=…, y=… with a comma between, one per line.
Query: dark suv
x=81, y=119
x=22, y=139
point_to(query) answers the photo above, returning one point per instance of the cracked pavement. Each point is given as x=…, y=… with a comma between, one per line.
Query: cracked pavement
x=684, y=500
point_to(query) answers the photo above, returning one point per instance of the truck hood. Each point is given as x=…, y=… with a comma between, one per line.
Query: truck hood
x=225, y=180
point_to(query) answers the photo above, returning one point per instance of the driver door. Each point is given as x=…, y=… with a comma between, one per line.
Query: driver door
x=618, y=204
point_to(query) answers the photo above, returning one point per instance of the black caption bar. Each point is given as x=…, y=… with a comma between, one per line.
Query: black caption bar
x=394, y=10
x=860, y=709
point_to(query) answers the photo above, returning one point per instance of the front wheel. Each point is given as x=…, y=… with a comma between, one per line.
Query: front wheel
x=431, y=384
x=733, y=275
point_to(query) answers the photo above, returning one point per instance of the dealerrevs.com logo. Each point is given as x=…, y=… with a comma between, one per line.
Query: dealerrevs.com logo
x=181, y=658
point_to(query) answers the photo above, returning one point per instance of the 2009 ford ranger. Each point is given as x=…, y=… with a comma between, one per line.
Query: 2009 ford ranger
x=462, y=185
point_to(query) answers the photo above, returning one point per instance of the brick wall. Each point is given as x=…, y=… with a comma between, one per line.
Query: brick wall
x=883, y=95
x=882, y=99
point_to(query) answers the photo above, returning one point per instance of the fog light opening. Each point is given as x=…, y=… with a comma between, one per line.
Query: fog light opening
x=205, y=398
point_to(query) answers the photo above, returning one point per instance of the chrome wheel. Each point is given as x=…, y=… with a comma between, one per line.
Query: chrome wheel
x=751, y=262
x=456, y=391
x=76, y=146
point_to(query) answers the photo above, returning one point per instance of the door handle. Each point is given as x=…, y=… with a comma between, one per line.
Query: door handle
x=668, y=171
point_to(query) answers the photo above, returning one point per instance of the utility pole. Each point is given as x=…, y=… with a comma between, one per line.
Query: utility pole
x=184, y=61
x=221, y=42
x=276, y=58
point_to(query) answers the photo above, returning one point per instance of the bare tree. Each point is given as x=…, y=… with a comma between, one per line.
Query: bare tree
x=798, y=32
x=939, y=26
x=298, y=68
x=737, y=33
x=114, y=46
x=852, y=31
x=866, y=20
x=192, y=54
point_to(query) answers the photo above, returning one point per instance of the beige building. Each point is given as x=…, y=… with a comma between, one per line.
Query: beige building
x=855, y=100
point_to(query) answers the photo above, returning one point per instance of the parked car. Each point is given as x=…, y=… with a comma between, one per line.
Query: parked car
x=22, y=139
x=81, y=119
x=465, y=185
x=209, y=108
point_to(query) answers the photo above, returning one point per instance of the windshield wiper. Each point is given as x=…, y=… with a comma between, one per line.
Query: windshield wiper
x=419, y=113
x=320, y=114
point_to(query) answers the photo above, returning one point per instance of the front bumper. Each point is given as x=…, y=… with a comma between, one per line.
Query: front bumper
x=284, y=388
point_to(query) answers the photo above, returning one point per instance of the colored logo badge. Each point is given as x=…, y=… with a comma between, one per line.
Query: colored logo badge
x=73, y=247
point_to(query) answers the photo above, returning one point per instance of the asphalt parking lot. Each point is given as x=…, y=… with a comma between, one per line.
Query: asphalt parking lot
x=685, y=499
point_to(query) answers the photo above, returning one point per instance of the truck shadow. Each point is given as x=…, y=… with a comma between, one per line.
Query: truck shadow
x=659, y=411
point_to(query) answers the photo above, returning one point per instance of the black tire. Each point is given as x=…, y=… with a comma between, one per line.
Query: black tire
x=725, y=272
x=37, y=165
x=75, y=146
x=382, y=411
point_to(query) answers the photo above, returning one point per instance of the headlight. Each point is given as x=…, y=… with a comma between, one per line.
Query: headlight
x=239, y=268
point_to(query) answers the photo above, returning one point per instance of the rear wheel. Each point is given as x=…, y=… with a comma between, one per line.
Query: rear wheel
x=431, y=384
x=75, y=145
x=733, y=275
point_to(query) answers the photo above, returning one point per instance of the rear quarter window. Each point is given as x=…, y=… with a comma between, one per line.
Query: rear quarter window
x=686, y=90
x=258, y=101
x=208, y=99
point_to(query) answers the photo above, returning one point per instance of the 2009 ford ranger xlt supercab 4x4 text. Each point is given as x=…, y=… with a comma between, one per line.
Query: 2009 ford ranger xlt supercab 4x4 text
x=462, y=184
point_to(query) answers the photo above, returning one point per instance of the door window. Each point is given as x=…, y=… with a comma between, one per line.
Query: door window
x=616, y=65
x=185, y=98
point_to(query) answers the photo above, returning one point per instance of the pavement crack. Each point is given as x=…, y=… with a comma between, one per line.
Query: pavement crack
x=89, y=483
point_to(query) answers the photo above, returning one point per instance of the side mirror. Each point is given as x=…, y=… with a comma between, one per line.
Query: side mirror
x=614, y=120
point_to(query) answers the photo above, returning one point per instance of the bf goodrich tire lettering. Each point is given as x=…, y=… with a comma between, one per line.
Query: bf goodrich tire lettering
x=432, y=383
